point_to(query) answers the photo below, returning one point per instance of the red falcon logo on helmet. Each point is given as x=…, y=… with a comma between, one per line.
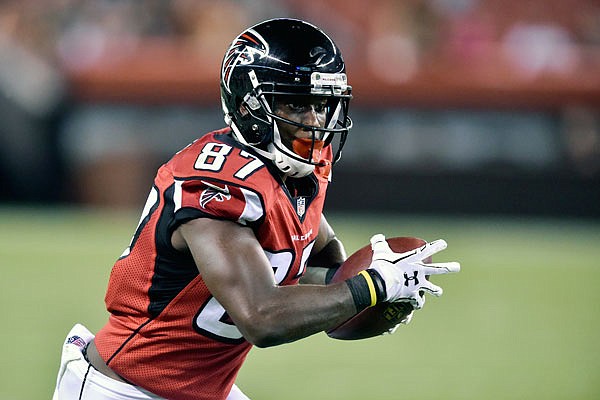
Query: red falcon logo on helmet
x=243, y=51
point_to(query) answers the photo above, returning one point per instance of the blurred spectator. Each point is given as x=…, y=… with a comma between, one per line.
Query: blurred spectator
x=392, y=50
x=470, y=36
x=535, y=49
x=587, y=30
x=32, y=91
x=203, y=30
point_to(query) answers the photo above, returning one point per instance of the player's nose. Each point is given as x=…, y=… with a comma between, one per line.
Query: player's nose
x=311, y=117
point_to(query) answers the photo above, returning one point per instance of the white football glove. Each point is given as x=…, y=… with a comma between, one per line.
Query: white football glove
x=404, y=274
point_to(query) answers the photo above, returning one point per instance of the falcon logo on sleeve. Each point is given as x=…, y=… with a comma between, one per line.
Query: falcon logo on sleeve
x=213, y=192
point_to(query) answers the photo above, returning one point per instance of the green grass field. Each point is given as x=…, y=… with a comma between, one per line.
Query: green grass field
x=519, y=321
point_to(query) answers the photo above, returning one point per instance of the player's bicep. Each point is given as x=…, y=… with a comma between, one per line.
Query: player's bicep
x=231, y=262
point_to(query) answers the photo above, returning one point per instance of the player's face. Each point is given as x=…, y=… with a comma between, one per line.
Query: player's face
x=306, y=110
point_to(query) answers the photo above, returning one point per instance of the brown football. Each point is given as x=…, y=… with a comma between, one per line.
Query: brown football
x=382, y=317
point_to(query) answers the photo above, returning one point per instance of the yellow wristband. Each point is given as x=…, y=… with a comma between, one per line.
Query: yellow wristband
x=371, y=286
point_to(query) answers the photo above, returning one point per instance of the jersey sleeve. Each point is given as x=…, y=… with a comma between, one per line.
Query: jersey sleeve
x=206, y=197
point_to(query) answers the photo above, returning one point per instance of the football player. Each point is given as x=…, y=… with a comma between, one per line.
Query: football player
x=231, y=224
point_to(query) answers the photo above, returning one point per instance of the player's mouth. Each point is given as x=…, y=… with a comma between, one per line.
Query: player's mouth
x=308, y=149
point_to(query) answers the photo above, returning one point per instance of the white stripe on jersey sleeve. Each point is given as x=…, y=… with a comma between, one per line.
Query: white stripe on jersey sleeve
x=151, y=201
x=177, y=195
x=253, y=209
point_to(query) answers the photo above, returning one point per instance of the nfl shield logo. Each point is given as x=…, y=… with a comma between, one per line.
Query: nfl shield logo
x=300, y=206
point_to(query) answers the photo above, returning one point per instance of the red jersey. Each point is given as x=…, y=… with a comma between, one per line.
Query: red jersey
x=166, y=332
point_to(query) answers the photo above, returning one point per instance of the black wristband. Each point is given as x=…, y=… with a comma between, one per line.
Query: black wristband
x=379, y=285
x=361, y=293
x=367, y=289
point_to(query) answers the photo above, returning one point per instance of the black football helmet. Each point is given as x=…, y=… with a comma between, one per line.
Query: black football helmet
x=276, y=58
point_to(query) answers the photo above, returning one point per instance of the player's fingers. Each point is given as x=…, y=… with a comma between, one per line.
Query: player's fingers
x=430, y=249
x=440, y=268
x=379, y=244
x=418, y=302
x=432, y=289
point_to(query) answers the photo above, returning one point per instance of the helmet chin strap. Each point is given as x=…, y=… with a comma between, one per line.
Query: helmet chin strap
x=289, y=166
x=286, y=164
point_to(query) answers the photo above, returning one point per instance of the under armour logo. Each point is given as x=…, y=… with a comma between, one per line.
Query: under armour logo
x=407, y=278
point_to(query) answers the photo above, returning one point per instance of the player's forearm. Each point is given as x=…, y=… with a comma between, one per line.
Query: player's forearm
x=295, y=312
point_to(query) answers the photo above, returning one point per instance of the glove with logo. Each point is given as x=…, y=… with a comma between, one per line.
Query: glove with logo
x=405, y=274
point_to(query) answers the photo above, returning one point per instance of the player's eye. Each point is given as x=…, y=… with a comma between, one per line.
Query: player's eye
x=300, y=108
x=321, y=107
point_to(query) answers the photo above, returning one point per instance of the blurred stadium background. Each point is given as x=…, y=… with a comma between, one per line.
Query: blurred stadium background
x=475, y=120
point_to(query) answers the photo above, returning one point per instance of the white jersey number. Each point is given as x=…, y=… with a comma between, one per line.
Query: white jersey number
x=213, y=157
x=212, y=319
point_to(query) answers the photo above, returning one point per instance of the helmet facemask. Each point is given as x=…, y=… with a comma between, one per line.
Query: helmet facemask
x=298, y=157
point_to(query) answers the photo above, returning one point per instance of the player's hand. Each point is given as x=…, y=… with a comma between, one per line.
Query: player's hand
x=404, y=274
